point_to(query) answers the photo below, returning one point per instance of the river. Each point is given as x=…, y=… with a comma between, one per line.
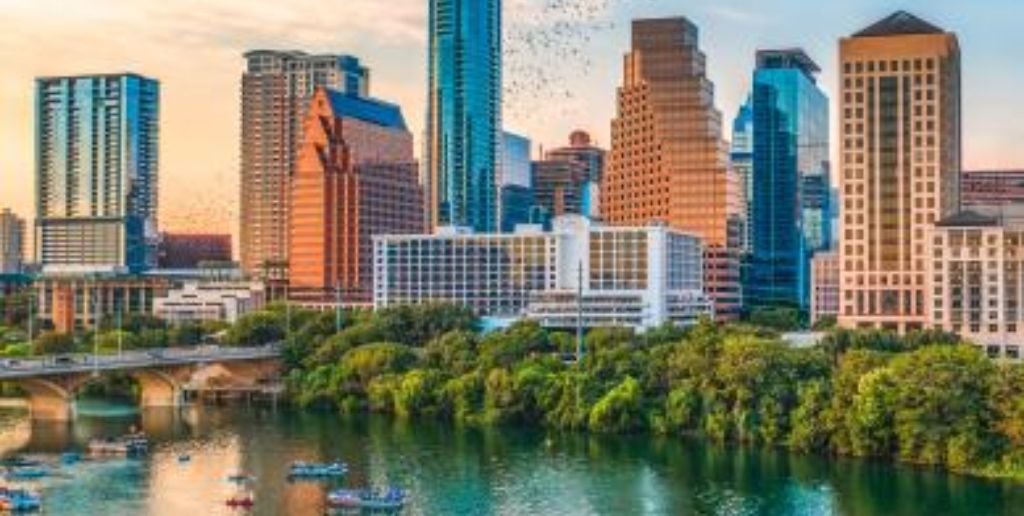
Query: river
x=450, y=471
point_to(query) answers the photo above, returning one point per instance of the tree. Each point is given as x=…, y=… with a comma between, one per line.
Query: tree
x=366, y=362
x=454, y=352
x=53, y=343
x=619, y=410
x=778, y=317
x=257, y=329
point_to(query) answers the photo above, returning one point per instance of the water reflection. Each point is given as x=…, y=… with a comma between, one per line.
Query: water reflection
x=465, y=471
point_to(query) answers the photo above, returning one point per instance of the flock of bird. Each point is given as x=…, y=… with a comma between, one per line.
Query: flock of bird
x=546, y=46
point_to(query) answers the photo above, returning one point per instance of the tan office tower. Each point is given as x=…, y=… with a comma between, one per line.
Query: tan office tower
x=277, y=88
x=668, y=159
x=899, y=165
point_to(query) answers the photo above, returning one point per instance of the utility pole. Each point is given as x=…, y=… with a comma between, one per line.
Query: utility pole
x=337, y=307
x=120, y=334
x=579, y=313
x=31, y=314
x=287, y=314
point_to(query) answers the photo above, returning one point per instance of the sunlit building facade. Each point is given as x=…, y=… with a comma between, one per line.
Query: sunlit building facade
x=824, y=286
x=638, y=277
x=97, y=156
x=463, y=133
x=899, y=166
x=668, y=162
x=277, y=87
x=789, y=203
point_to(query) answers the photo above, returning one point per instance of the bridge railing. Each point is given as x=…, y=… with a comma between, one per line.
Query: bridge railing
x=54, y=364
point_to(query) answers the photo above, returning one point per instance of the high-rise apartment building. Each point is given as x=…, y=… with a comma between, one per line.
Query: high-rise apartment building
x=514, y=182
x=668, y=160
x=741, y=158
x=789, y=209
x=560, y=187
x=900, y=165
x=96, y=172
x=276, y=90
x=355, y=178
x=463, y=133
x=593, y=158
x=12, y=242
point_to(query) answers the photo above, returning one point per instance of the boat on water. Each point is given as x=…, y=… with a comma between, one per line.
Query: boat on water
x=240, y=478
x=131, y=444
x=390, y=499
x=19, y=500
x=301, y=469
x=70, y=458
x=26, y=473
x=19, y=461
x=240, y=502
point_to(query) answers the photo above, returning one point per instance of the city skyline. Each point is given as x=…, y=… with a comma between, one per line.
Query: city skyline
x=200, y=166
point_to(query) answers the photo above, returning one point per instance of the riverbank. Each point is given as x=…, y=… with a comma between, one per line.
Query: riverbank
x=925, y=400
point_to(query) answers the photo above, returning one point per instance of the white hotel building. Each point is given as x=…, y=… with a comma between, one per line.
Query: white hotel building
x=639, y=277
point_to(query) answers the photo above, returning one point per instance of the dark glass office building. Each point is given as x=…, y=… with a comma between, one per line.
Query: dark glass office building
x=789, y=212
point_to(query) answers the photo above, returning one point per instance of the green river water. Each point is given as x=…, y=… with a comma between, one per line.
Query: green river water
x=451, y=471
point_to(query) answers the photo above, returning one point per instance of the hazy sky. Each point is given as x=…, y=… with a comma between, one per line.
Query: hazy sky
x=562, y=67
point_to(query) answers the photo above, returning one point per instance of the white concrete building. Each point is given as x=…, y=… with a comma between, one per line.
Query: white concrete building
x=632, y=276
x=976, y=280
x=196, y=301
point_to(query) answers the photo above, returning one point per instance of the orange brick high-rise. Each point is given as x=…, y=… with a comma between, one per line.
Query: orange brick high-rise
x=355, y=177
x=668, y=159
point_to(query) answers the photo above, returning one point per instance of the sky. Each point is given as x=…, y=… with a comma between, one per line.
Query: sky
x=563, y=62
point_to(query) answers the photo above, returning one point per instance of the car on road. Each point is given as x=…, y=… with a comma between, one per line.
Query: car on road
x=8, y=363
x=64, y=360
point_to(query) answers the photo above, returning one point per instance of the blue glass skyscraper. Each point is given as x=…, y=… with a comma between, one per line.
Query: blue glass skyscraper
x=514, y=181
x=790, y=195
x=96, y=172
x=463, y=131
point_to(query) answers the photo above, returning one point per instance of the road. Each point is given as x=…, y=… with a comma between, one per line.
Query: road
x=79, y=363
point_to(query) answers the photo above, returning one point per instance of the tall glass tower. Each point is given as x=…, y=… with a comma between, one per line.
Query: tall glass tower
x=96, y=172
x=463, y=131
x=741, y=157
x=790, y=194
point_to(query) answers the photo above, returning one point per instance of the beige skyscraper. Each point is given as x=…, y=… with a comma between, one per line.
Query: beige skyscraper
x=668, y=162
x=277, y=87
x=899, y=165
x=12, y=242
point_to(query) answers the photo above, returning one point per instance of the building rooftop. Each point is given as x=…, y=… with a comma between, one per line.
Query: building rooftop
x=968, y=218
x=366, y=109
x=898, y=24
x=787, y=58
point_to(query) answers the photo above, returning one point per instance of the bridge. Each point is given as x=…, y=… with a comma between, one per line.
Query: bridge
x=163, y=375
